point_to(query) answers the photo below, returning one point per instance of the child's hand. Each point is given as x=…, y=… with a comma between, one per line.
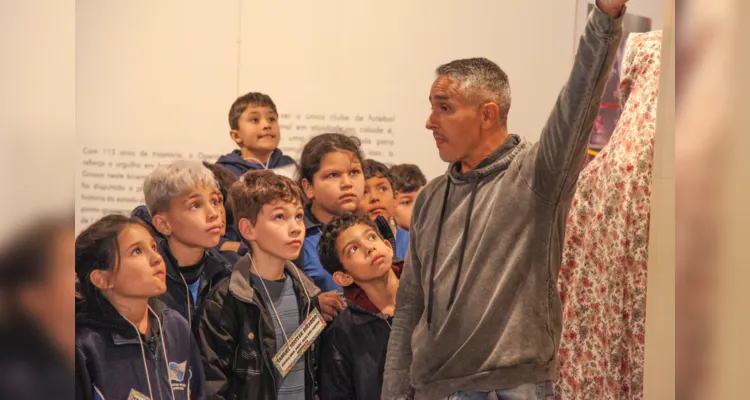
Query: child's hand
x=330, y=305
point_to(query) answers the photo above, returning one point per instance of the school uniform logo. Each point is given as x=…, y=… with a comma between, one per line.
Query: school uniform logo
x=136, y=395
x=177, y=371
x=177, y=375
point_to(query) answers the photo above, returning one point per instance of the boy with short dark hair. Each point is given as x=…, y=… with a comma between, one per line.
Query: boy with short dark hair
x=379, y=200
x=407, y=180
x=184, y=207
x=254, y=126
x=353, y=349
x=248, y=320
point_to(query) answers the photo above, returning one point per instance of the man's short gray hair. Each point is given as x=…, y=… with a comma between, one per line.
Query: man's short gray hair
x=172, y=180
x=480, y=79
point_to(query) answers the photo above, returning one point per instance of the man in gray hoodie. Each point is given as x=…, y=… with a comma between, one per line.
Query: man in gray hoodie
x=478, y=314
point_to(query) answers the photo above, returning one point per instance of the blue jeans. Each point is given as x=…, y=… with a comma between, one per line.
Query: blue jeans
x=529, y=391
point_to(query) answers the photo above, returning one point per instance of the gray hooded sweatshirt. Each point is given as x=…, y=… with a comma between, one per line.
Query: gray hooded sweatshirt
x=478, y=307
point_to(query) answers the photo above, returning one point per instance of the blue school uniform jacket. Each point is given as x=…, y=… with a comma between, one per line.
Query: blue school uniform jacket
x=402, y=243
x=111, y=363
x=238, y=165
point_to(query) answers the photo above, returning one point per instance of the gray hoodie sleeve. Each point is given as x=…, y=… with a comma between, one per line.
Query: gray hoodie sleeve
x=557, y=159
x=409, y=309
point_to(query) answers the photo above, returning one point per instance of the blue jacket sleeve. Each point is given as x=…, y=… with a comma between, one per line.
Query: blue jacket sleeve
x=313, y=268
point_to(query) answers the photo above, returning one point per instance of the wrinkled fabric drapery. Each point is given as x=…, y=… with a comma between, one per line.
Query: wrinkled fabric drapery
x=602, y=280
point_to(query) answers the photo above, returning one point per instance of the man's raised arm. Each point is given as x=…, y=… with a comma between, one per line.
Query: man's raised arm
x=559, y=155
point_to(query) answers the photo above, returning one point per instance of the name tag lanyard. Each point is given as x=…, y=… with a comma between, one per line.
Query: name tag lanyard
x=270, y=300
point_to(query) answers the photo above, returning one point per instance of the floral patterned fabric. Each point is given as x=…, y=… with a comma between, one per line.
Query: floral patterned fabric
x=602, y=279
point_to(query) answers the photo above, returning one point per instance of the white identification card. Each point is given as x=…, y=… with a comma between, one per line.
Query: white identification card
x=299, y=342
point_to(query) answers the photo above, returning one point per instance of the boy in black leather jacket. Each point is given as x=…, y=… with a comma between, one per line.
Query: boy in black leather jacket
x=251, y=316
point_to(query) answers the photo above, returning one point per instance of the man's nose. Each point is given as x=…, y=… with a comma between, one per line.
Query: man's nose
x=430, y=123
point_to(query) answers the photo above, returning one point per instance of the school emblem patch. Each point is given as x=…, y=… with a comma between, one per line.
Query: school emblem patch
x=136, y=395
x=177, y=371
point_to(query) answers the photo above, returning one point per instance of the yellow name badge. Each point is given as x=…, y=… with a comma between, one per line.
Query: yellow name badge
x=299, y=342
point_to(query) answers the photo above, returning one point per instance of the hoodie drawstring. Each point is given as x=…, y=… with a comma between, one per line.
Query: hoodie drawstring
x=143, y=355
x=143, y=352
x=189, y=296
x=265, y=165
x=464, y=240
x=166, y=358
x=431, y=292
x=463, y=244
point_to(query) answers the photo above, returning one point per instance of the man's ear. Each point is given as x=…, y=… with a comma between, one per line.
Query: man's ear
x=490, y=114
x=247, y=230
x=307, y=187
x=101, y=279
x=161, y=223
x=342, y=278
x=235, y=135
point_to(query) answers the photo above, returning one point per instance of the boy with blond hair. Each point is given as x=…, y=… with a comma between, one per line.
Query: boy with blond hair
x=183, y=206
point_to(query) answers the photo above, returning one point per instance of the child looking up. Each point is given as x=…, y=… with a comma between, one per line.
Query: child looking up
x=250, y=316
x=354, y=346
x=128, y=343
x=185, y=205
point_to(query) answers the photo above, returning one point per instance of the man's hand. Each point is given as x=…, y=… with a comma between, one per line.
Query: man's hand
x=612, y=8
x=330, y=305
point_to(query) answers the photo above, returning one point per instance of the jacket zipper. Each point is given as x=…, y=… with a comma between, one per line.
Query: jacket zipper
x=189, y=297
x=265, y=356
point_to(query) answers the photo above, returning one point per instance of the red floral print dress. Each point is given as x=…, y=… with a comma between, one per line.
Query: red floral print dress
x=602, y=279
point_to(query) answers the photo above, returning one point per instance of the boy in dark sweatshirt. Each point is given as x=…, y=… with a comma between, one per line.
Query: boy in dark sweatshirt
x=353, y=348
x=185, y=206
x=254, y=126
